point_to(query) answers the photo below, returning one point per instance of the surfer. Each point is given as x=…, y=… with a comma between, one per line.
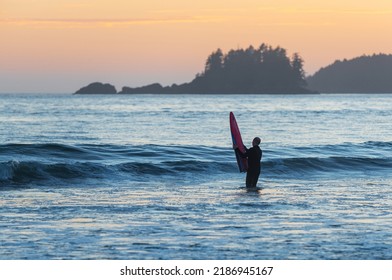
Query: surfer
x=254, y=155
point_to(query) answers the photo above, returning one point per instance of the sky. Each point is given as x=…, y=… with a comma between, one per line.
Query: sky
x=59, y=46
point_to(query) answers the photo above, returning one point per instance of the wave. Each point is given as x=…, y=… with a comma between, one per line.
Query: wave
x=315, y=166
x=58, y=163
x=28, y=172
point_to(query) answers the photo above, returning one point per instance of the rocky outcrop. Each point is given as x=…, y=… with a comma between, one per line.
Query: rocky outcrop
x=97, y=88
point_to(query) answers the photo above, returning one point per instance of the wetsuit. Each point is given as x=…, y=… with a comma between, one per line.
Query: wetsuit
x=254, y=155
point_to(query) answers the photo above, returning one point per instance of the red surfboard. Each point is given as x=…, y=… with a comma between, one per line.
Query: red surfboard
x=237, y=141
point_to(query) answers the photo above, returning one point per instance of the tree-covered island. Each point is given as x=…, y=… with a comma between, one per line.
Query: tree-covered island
x=262, y=70
x=364, y=74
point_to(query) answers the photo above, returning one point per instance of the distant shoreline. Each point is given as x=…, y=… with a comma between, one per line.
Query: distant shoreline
x=362, y=75
x=200, y=94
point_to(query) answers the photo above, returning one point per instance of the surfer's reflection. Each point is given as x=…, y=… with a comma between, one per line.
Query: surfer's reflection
x=254, y=191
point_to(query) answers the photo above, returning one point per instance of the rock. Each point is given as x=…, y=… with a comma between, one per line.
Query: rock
x=97, y=88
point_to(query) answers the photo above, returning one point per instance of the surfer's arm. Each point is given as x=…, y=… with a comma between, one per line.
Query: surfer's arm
x=243, y=155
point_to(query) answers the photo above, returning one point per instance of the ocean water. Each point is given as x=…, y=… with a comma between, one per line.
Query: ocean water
x=155, y=177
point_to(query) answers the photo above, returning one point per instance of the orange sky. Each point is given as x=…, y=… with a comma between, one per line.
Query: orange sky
x=62, y=45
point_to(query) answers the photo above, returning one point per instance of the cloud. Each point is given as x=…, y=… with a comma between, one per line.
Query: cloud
x=73, y=22
x=328, y=11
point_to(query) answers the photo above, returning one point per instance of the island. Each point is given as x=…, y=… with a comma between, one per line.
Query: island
x=364, y=74
x=97, y=88
x=262, y=70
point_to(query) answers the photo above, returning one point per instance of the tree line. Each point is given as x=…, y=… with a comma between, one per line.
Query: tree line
x=364, y=74
x=262, y=70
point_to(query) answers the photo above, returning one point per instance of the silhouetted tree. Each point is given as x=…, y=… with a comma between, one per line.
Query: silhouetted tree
x=299, y=74
x=214, y=62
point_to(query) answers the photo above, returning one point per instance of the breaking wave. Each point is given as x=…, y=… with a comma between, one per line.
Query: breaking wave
x=40, y=163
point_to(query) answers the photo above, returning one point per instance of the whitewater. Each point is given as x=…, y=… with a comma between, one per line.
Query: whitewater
x=155, y=177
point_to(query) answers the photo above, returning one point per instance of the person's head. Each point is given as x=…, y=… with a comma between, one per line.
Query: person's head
x=256, y=141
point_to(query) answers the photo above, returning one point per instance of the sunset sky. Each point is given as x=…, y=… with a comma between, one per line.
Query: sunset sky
x=61, y=45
